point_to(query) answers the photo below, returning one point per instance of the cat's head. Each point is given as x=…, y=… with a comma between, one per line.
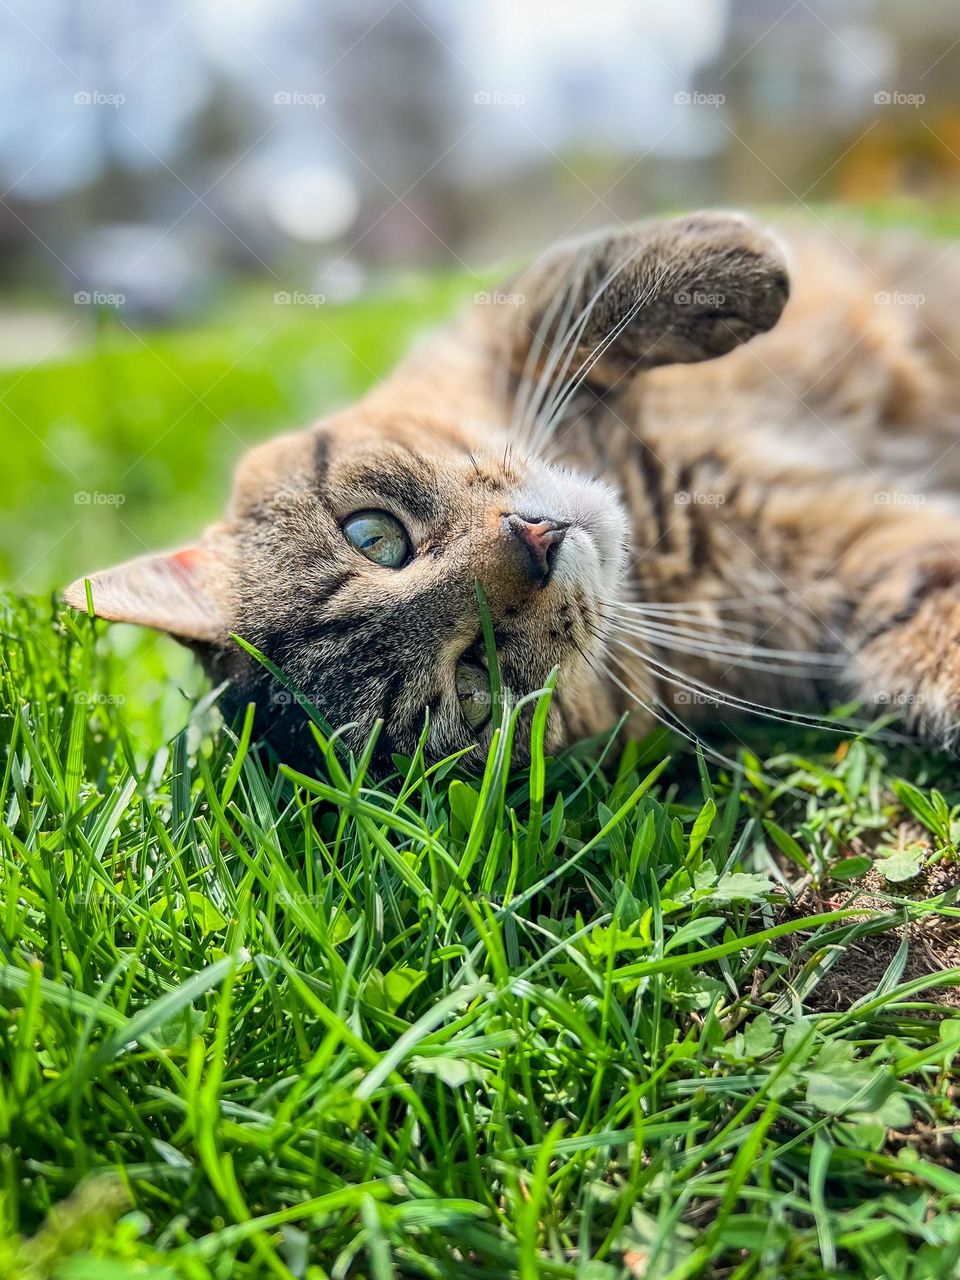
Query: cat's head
x=351, y=554
x=352, y=562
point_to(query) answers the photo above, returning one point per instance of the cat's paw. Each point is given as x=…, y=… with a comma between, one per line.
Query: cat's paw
x=715, y=280
x=908, y=663
x=674, y=291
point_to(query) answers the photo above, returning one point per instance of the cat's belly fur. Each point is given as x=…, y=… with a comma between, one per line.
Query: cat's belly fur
x=861, y=375
x=722, y=464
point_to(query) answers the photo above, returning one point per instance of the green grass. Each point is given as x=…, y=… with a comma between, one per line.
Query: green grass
x=149, y=424
x=559, y=1022
x=576, y=1020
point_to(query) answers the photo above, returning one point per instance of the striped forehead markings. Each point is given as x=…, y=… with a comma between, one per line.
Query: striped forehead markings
x=321, y=462
x=402, y=486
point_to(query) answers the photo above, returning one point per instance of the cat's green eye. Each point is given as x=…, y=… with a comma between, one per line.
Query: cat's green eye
x=473, y=690
x=379, y=536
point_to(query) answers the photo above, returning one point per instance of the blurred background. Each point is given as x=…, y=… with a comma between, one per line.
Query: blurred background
x=220, y=218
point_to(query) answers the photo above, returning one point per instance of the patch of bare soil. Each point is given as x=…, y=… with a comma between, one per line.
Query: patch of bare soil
x=937, y=1143
x=934, y=939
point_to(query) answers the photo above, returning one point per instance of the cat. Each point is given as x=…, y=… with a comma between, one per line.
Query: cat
x=673, y=484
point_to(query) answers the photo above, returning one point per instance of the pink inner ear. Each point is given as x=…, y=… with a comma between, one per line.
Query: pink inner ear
x=191, y=557
x=170, y=592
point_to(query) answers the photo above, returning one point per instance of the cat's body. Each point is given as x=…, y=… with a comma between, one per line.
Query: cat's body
x=785, y=531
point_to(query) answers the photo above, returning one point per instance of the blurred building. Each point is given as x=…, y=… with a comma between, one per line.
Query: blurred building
x=159, y=149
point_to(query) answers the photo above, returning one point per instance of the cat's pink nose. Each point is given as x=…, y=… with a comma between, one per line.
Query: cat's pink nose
x=541, y=541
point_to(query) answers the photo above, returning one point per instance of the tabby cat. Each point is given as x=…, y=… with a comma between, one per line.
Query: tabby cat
x=675, y=520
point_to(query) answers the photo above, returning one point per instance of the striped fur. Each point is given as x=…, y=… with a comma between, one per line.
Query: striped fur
x=773, y=528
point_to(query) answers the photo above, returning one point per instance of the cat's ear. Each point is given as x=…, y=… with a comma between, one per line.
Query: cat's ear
x=675, y=291
x=169, y=592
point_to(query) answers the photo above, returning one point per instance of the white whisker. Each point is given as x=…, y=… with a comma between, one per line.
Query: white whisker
x=710, y=693
x=757, y=656
x=665, y=716
x=528, y=385
x=733, y=603
x=705, y=626
x=599, y=350
x=567, y=333
x=553, y=388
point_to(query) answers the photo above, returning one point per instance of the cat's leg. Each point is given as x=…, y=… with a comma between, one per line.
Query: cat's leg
x=872, y=578
x=904, y=626
x=679, y=290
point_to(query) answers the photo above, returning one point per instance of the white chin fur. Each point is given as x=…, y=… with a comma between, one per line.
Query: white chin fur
x=594, y=552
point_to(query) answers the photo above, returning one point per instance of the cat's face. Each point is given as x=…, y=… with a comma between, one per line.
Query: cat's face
x=352, y=553
x=354, y=563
